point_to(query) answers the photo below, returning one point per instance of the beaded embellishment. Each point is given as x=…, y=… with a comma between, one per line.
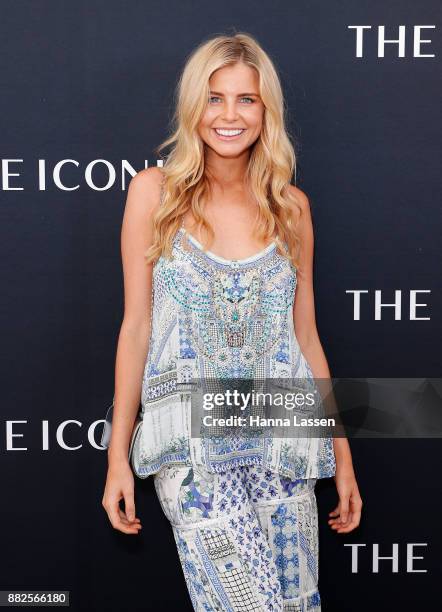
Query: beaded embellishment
x=234, y=311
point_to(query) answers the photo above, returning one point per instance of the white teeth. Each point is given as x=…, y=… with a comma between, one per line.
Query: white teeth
x=228, y=132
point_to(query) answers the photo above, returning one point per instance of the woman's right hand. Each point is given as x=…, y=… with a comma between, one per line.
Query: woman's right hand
x=120, y=485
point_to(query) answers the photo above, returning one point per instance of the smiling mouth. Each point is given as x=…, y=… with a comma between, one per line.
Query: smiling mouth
x=228, y=134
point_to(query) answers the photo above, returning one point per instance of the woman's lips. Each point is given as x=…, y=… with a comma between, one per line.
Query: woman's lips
x=228, y=134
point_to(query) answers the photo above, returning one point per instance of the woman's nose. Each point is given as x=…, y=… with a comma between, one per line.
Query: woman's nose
x=230, y=112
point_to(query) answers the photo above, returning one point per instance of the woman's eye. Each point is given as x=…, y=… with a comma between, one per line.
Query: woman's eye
x=247, y=98
x=214, y=98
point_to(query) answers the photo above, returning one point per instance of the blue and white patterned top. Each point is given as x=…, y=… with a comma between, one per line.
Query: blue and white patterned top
x=213, y=317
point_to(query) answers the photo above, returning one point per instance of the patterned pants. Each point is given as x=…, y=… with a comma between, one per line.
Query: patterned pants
x=247, y=538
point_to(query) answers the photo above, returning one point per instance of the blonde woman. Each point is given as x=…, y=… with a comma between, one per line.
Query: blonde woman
x=244, y=515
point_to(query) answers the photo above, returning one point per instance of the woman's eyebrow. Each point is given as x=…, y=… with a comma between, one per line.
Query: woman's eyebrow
x=218, y=93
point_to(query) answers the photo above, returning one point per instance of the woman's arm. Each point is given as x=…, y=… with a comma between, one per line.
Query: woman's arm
x=136, y=236
x=348, y=510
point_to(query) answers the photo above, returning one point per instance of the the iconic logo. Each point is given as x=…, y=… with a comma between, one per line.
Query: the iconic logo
x=16, y=434
x=402, y=32
x=398, y=304
x=98, y=174
x=390, y=561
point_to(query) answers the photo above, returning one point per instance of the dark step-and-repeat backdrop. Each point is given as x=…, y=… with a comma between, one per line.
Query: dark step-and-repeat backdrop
x=86, y=97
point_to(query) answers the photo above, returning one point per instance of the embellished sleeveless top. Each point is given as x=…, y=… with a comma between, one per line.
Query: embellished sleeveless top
x=214, y=317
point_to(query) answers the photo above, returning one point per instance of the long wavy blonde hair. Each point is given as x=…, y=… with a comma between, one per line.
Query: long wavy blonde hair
x=272, y=159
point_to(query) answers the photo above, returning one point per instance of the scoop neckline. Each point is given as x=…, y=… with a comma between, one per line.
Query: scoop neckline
x=222, y=260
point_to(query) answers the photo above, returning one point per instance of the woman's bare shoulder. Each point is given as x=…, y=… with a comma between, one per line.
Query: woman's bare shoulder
x=303, y=217
x=153, y=174
x=145, y=188
x=301, y=197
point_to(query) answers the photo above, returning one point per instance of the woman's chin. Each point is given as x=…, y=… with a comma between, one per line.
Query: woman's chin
x=228, y=151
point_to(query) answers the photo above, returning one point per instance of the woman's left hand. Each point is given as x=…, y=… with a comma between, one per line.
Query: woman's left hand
x=347, y=514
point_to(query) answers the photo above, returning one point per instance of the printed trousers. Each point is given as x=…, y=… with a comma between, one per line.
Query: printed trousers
x=247, y=538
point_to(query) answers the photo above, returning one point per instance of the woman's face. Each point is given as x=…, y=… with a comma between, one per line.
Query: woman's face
x=234, y=104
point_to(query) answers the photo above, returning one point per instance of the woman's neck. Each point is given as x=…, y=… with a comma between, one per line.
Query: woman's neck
x=224, y=172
